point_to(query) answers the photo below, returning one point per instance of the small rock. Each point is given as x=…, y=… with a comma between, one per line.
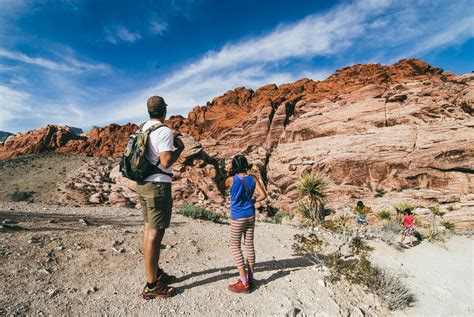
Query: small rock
x=53, y=292
x=44, y=270
x=91, y=290
x=119, y=250
x=322, y=283
x=85, y=222
x=397, y=98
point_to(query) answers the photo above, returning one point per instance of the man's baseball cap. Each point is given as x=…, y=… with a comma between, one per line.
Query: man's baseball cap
x=156, y=104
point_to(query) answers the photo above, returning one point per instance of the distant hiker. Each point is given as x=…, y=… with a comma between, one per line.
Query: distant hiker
x=153, y=175
x=408, y=222
x=242, y=214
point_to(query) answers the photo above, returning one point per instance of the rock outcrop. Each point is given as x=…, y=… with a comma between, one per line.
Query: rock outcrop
x=405, y=130
x=107, y=141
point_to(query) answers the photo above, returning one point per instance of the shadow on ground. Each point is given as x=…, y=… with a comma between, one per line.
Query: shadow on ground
x=283, y=268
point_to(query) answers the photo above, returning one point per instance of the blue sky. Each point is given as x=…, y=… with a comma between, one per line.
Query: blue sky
x=95, y=62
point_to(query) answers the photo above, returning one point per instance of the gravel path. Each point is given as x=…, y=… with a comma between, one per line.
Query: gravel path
x=441, y=275
x=88, y=260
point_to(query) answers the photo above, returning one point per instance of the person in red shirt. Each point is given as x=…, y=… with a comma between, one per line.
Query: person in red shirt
x=408, y=226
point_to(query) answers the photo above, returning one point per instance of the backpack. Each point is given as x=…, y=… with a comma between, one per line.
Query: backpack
x=133, y=164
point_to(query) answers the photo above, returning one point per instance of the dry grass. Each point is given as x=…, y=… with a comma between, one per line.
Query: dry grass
x=390, y=288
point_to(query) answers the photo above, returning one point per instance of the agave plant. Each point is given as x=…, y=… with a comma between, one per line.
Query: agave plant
x=451, y=226
x=312, y=188
x=384, y=214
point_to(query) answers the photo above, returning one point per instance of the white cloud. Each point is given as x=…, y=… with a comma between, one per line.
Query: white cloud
x=121, y=34
x=14, y=102
x=378, y=28
x=157, y=26
x=71, y=64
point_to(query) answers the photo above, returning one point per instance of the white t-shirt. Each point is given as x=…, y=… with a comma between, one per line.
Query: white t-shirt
x=160, y=140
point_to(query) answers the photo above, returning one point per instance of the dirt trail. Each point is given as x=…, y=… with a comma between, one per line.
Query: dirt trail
x=57, y=263
x=441, y=275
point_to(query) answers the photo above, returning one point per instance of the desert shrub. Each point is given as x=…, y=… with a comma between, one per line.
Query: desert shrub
x=392, y=226
x=432, y=236
x=279, y=215
x=379, y=192
x=22, y=196
x=359, y=247
x=338, y=225
x=355, y=270
x=384, y=214
x=196, y=212
x=448, y=225
x=402, y=206
x=390, y=289
x=436, y=211
x=312, y=188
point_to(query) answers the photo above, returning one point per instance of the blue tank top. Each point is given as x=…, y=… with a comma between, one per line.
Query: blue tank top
x=241, y=204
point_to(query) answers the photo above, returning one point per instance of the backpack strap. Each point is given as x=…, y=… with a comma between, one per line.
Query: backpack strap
x=246, y=186
x=155, y=168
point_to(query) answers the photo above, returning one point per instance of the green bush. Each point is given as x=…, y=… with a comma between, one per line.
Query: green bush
x=379, y=192
x=402, y=206
x=196, y=212
x=279, y=215
x=384, y=214
x=448, y=225
x=22, y=196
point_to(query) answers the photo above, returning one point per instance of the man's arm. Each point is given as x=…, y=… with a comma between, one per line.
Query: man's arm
x=167, y=158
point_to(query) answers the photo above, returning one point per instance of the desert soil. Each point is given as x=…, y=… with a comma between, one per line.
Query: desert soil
x=57, y=260
x=440, y=274
x=39, y=173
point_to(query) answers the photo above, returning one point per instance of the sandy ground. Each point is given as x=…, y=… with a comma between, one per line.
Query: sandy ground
x=441, y=275
x=40, y=174
x=54, y=263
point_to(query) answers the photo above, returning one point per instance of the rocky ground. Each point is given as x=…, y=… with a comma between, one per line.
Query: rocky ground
x=40, y=174
x=58, y=260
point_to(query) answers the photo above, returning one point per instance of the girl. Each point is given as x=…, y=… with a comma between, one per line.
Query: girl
x=408, y=226
x=242, y=214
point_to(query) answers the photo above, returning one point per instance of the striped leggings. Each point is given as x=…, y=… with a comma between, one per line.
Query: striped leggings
x=242, y=227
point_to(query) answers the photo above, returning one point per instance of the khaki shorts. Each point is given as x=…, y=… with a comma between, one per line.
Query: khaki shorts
x=156, y=204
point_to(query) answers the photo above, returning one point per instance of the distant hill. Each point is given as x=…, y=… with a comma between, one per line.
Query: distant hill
x=4, y=135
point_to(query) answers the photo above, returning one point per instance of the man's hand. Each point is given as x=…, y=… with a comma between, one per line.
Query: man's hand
x=178, y=143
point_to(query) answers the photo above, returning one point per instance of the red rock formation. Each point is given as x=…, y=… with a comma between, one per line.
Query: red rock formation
x=405, y=128
x=107, y=141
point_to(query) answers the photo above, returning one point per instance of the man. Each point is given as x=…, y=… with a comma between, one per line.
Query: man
x=155, y=198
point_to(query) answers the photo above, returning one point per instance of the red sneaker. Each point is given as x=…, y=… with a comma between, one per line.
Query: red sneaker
x=239, y=287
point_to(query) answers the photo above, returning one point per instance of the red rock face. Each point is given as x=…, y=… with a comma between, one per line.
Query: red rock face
x=405, y=129
x=108, y=141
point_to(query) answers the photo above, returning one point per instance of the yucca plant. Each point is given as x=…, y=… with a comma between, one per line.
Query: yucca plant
x=435, y=212
x=451, y=226
x=432, y=235
x=312, y=187
x=384, y=214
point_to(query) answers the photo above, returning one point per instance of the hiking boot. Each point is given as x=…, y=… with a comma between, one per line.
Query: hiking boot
x=239, y=287
x=159, y=291
x=165, y=278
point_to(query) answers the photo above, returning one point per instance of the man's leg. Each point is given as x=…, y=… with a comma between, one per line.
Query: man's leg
x=152, y=253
